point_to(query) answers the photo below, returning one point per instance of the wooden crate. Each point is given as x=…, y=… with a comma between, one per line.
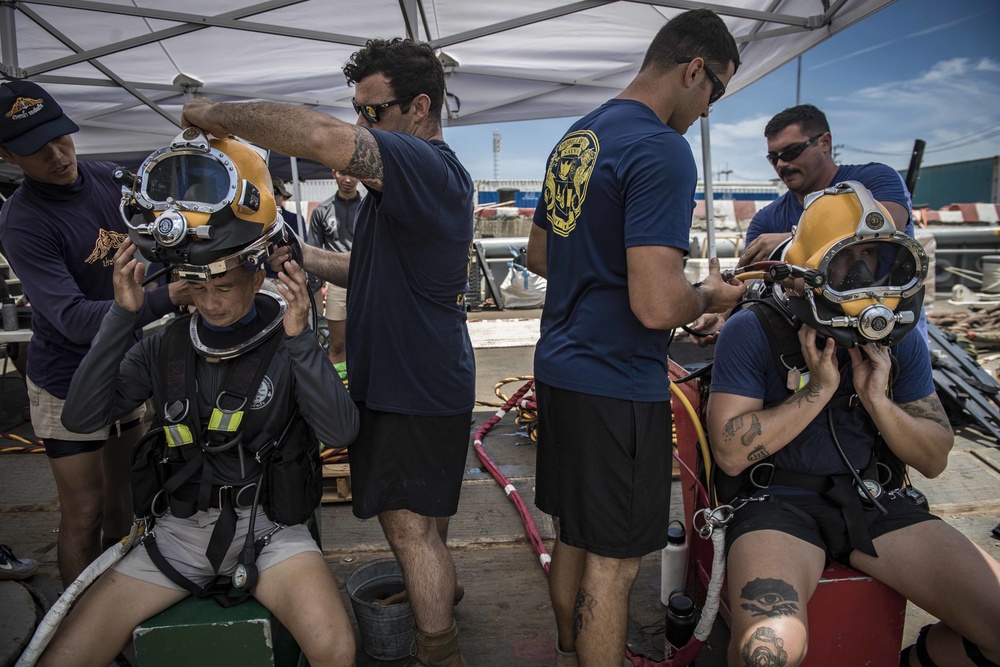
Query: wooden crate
x=336, y=483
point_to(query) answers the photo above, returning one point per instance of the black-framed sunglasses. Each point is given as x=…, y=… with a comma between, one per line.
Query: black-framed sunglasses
x=370, y=111
x=792, y=152
x=718, y=88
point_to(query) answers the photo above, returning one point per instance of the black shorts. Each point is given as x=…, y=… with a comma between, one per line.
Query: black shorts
x=603, y=468
x=821, y=523
x=408, y=462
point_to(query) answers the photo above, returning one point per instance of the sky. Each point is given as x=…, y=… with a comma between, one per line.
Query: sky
x=918, y=69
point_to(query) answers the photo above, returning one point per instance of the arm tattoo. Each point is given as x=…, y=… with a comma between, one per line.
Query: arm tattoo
x=366, y=162
x=583, y=611
x=770, y=597
x=757, y=454
x=732, y=426
x=809, y=394
x=752, y=431
x=765, y=649
x=928, y=408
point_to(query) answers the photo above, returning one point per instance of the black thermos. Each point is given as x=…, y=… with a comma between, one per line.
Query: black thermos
x=681, y=619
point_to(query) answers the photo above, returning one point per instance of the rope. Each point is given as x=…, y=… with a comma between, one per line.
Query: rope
x=33, y=446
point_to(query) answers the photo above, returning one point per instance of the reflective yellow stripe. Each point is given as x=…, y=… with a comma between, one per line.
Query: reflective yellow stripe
x=225, y=421
x=178, y=434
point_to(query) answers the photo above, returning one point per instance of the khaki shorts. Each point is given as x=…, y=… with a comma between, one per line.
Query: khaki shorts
x=336, y=303
x=183, y=542
x=46, y=414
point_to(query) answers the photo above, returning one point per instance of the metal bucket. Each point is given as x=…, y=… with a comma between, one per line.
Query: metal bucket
x=386, y=630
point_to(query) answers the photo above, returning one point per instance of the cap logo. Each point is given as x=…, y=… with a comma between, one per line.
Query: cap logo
x=25, y=107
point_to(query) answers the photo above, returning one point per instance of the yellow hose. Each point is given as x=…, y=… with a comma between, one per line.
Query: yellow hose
x=706, y=453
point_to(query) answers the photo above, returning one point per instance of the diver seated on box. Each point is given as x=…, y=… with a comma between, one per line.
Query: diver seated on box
x=816, y=445
x=242, y=389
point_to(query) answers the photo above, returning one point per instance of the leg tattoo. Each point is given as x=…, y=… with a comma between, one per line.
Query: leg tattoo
x=770, y=597
x=583, y=611
x=764, y=649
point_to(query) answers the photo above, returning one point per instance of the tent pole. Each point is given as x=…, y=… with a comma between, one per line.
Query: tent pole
x=297, y=191
x=706, y=170
x=8, y=33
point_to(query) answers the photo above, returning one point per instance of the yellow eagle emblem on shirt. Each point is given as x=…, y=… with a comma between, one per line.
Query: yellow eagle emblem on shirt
x=566, y=178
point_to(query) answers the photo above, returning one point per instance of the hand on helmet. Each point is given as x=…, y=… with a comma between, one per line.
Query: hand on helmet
x=871, y=366
x=761, y=248
x=127, y=278
x=292, y=285
x=196, y=112
x=824, y=373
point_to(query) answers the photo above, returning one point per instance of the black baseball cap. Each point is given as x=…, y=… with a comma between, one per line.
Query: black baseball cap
x=280, y=188
x=30, y=118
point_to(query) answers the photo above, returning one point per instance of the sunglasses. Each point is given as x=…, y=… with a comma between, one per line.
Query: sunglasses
x=370, y=111
x=718, y=88
x=792, y=152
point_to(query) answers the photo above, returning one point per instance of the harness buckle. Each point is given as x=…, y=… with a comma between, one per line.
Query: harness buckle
x=224, y=393
x=239, y=495
x=223, y=489
x=753, y=473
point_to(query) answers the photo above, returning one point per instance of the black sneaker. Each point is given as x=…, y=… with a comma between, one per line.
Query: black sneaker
x=11, y=567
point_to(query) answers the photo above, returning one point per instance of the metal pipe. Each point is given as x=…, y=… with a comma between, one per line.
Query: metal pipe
x=706, y=170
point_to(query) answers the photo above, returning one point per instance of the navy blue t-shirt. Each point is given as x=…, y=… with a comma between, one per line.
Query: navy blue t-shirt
x=408, y=346
x=619, y=178
x=783, y=213
x=744, y=366
x=61, y=242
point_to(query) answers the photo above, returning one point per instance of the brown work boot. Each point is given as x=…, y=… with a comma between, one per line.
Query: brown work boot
x=438, y=649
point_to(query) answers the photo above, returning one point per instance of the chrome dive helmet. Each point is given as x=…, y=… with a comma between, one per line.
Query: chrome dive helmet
x=202, y=206
x=863, y=279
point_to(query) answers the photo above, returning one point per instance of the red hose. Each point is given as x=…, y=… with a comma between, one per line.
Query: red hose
x=512, y=494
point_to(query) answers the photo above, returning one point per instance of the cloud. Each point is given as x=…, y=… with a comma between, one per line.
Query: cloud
x=912, y=35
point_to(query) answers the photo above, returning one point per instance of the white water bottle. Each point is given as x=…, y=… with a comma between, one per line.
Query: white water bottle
x=673, y=561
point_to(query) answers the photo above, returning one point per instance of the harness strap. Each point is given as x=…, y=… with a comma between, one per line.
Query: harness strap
x=922, y=655
x=216, y=590
x=838, y=489
x=224, y=531
x=976, y=656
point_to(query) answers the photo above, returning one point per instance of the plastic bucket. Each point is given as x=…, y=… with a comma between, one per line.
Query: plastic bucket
x=386, y=630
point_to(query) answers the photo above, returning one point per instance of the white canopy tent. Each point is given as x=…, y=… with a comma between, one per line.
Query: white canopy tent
x=122, y=69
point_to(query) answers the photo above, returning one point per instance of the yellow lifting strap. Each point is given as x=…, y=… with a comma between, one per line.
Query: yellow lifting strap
x=178, y=434
x=222, y=420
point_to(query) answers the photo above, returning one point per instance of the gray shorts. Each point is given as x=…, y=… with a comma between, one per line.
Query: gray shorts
x=183, y=542
x=46, y=417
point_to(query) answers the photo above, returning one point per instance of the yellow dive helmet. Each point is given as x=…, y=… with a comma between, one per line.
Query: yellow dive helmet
x=202, y=206
x=864, y=279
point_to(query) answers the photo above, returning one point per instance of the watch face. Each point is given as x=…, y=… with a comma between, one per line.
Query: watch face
x=240, y=576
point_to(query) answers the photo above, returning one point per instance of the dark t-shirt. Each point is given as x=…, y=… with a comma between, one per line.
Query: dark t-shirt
x=619, y=178
x=783, y=213
x=408, y=344
x=744, y=366
x=61, y=242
